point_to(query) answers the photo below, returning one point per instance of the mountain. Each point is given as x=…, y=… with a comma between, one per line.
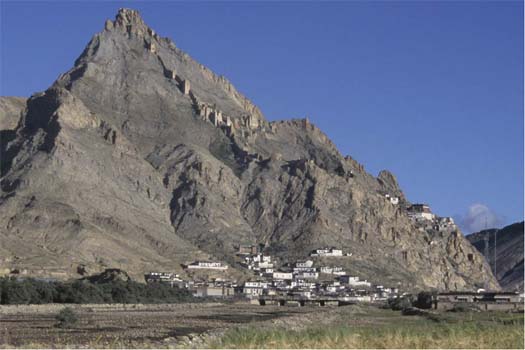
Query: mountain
x=141, y=158
x=507, y=246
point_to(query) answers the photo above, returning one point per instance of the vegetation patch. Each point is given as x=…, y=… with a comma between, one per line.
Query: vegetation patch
x=31, y=291
x=67, y=318
x=488, y=332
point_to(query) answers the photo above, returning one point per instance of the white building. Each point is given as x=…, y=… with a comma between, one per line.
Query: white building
x=208, y=265
x=308, y=275
x=262, y=258
x=266, y=271
x=353, y=281
x=282, y=276
x=333, y=270
x=445, y=224
x=304, y=269
x=420, y=212
x=302, y=283
x=304, y=264
x=393, y=200
x=164, y=277
x=327, y=252
x=254, y=288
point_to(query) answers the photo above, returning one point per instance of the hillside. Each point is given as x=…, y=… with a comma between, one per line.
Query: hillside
x=509, y=253
x=140, y=158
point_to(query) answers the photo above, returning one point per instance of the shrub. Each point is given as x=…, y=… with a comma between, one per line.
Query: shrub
x=424, y=300
x=66, y=318
x=400, y=303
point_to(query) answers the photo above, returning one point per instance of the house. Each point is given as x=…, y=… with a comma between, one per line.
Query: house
x=327, y=252
x=303, y=264
x=304, y=269
x=208, y=265
x=339, y=271
x=333, y=287
x=308, y=275
x=393, y=200
x=248, y=250
x=420, y=212
x=353, y=281
x=301, y=293
x=302, y=283
x=164, y=277
x=266, y=272
x=219, y=291
x=262, y=258
x=263, y=265
x=255, y=288
x=327, y=269
x=359, y=298
x=483, y=301
x=333, y=270
x=445, y=224
x=282, y=276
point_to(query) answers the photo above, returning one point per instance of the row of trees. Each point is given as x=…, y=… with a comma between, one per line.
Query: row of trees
x=31, y=291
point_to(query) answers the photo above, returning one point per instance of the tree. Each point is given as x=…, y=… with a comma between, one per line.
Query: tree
x=424, y=300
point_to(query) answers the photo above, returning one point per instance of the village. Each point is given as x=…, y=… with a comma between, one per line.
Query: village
x=313, y=279
x=300, y=279
x=310, y=278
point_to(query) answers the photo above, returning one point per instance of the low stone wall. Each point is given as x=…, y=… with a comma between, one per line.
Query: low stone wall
x=53, y=308
x=483, y=306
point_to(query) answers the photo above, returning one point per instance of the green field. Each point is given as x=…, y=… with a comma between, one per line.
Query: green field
x=387, y=329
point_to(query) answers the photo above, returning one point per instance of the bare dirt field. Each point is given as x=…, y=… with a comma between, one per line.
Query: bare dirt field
x=242, y=325
x=164, y=325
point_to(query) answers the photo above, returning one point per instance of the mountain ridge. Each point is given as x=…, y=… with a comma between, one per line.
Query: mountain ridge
x=506, y=246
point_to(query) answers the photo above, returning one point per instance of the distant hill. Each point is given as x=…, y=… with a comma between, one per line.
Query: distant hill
x=509, y=253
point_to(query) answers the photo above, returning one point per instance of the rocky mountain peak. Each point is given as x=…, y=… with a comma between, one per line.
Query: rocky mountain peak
x=129, y=21
x=141, y=157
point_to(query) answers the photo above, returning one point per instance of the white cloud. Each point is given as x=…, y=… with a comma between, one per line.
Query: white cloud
x=479, y=217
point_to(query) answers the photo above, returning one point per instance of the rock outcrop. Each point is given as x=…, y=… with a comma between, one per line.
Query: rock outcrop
x=140, y=158
x=504, y=253
x=11, y=109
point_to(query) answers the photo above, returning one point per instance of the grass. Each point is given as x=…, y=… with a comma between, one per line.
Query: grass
x=497, y=331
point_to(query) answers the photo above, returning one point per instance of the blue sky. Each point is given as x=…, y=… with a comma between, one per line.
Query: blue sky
x=432, y=91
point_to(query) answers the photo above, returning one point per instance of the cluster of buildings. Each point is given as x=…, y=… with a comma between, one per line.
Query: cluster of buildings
x=392, y=199
x=423, y=216
x=302, y=279
x=483, y=301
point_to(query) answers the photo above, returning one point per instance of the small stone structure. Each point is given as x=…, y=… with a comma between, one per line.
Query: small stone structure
x=185, y=87
x=151, y=47
x=171, y=74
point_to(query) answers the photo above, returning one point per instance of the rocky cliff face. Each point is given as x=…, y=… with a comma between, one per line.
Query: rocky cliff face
x=11, y=109
x=141, y=158
x=506, y=247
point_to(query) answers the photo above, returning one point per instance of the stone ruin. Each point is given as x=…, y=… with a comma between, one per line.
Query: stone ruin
x=185, y=87
x=151, y=47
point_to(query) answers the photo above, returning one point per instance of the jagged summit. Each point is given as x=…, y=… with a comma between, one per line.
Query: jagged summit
x=127, y=17
x=141, y=158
